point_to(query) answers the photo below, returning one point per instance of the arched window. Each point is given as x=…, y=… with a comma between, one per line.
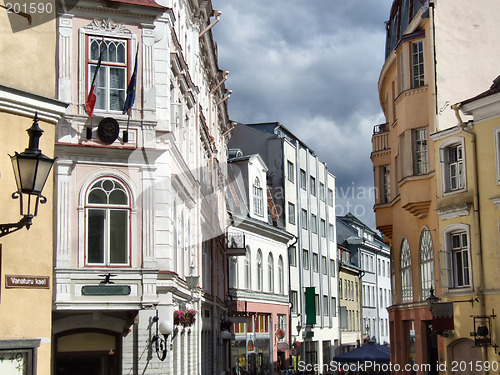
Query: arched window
x=259, y=270
x=406, y=279
x=107, y=212
x=270, y=272
x=281, y=281
x=426, y=264
x=246, y=265
x=257, y=198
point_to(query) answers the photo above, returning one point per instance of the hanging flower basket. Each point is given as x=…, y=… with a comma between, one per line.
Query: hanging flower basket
x=185, y=318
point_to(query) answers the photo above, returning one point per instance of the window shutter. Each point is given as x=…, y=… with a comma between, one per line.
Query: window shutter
x=445, y=269
x=443, y=155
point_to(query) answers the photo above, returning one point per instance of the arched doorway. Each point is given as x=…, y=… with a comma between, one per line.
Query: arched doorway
x=464, y=351
x=87, y=352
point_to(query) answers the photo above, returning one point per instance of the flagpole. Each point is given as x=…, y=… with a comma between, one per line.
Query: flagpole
x=125, y=132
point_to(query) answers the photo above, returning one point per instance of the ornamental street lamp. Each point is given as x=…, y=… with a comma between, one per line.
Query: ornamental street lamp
x=31, y=169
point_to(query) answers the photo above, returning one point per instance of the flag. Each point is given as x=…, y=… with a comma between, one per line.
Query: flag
x=129, y=101
x=91, y=98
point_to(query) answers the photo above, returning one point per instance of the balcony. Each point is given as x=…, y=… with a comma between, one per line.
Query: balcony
x=380, y=139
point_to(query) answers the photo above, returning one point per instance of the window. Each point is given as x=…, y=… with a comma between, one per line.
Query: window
x=417, y=64
x=291, y=213
x=332, y=267
x=325, y=305
x=452, y=159
x=322, y=228
x=334, y=306
x=257, y=198
x=248, y=275
x=108, y=211
x=305, y=259
x=313, y=185
x=324, y=265
x=294, y=301
x=270, y=272
x=316, y=303
x=304, y=219
x=259, y=270
x=303, y=180
x=331, y=233
x=322, y=191
x=281, y=276
x=330, y=197
x=426, y=264
x=292, y=252
x=454, y=262
x=291, y=171
x=233, y=272
x=314, y=223
x=406, y=277
x=421, y=163
x=340, y=289
x=386, y=183
x=112, y=75
x=315, y=262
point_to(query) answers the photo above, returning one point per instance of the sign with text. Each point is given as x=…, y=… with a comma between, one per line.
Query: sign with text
x=37, y=282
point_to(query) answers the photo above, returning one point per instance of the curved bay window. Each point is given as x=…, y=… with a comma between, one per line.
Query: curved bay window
x=406, y=276
x=107, y=212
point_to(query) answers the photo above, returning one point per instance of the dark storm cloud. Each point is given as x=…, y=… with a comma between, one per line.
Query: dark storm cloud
x=314, y=67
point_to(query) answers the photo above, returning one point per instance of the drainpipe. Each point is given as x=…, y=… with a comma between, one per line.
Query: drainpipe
x=477, y=225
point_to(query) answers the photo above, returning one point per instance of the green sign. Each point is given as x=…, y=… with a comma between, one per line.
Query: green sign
x=310, y=306
x=106, y=290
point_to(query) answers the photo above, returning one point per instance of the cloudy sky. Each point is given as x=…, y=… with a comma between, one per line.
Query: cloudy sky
x=313, y=66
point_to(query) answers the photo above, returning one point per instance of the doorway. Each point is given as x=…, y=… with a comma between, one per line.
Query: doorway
x=87, y=353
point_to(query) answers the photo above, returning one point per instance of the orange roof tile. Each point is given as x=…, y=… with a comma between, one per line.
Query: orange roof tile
x=146, y=3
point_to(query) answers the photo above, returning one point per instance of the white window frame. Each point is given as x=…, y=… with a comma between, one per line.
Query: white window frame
x=270, y=272
x=281, y=276
x=448, y=272
x=291, y=213
x=83, y=220
x=260, y=271
x=312, y=185
x=444, y=150
x=406, y=272
x=426, y=262
x=420, y=151
x=258, y=205
x=417, y=64
x=290, y=171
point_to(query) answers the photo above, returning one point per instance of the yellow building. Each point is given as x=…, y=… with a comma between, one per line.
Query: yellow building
x=27, y=86
x=468, y=202
x=349, y=302
x=432, y=61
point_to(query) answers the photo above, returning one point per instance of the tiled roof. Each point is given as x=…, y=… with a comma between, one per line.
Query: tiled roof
x=146, y=3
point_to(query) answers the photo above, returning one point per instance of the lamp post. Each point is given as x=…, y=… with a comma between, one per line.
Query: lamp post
x=432, y=299
x=31, y=170
x=165, y=328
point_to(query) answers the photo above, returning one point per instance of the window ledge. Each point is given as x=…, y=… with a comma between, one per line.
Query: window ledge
x=496, y=201
x=455, y=211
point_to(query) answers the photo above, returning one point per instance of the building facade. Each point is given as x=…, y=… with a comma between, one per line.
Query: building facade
x=427, y=49
x=467, y=202
x=258, y=279
x=371, y=255
x=303, y=191
x=140, y=215
x=26, y=257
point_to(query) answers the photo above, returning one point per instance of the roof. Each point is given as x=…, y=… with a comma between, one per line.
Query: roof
x=494, y=88
x=146, y=3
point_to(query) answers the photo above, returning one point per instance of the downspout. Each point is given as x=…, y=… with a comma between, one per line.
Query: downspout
x=289, y=293
x=477, y=224
x=433, y=48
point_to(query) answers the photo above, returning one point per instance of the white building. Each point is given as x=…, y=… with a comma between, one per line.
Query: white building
x=139, y=217
x=303, y=191
x=370, y=254
x=258, y=279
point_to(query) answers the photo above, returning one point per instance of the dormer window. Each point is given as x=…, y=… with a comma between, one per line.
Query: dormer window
x=258, y=204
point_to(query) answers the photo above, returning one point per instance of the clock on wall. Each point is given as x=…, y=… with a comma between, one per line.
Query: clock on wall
x=108, y=130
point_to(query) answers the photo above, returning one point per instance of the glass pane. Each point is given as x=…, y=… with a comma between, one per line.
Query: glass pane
x=120, y=52
x=97, y=196
x=94, y=50
x=95, y=236
x=118, y=197
x=108, y=185
x=117, y=78
x=118, y=234
x=112, y=52
x=116, y=100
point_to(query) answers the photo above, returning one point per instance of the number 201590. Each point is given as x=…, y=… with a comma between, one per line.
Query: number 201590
x=30, y=8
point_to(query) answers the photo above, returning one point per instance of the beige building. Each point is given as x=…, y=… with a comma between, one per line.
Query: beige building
x=437, y=53
x=27, y=86
x=468, y=199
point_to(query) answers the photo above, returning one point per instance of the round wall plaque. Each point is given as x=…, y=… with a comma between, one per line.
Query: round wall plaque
x=108, y=130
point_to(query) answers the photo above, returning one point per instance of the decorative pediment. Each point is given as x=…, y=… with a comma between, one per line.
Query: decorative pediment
x=109, y=26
